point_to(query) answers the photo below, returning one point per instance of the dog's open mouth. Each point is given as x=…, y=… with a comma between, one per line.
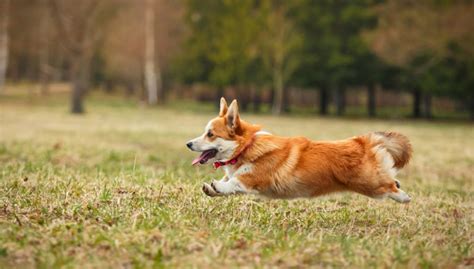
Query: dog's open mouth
x=205, y=156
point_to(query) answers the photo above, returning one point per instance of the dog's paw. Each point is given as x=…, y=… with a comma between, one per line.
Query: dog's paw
x=209, y=190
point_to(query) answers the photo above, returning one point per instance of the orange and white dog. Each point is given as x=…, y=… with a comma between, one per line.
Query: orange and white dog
x=257, y=162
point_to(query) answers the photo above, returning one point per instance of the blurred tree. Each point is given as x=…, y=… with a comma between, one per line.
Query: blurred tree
x=80, y=25
x=152, y=69
x=123, y=50
x=279, y=43
x=371, y=73
x=221, y=49
x=43, y=44
x=332, y=45
x=233, y=46
x=452, y=76
x=412, y=78
x=4, y=17
x=249, y=46
x=24, y=36
x=415, y=35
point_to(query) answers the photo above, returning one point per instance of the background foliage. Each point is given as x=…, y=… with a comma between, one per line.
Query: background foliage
x=258, y=51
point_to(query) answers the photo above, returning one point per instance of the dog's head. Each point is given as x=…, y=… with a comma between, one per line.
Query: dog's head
x=224, y=136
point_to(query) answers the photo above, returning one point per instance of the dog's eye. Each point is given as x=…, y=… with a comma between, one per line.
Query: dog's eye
x=209, y=134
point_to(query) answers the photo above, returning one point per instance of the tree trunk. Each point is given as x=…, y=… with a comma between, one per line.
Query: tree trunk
x=255, y=96
x=4, y=13
x=244, y=98
x=471, y=107
x=129, y=89
x=371, y=100
x=257, y=101
x=219, y=93
x=80, y=47
x=44, y=49
x=286, y=100
x=278, y=88
x=152, y=74
x=340, y=100
x=271, y=97
x=416, y=103
x=323, y=101
x=109, y=85
x=80, y=80
x=76, y=97
x=427, y=113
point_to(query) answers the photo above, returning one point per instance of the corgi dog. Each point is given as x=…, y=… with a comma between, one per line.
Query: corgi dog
x=257, y=162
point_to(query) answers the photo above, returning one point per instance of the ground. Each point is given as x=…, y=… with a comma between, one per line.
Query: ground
x=115, y=188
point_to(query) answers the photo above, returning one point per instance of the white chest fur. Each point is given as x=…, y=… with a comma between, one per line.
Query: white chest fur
x=231, y=171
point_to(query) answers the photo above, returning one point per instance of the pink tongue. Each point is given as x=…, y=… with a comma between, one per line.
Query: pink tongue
x=206, y=155
x=198, y=159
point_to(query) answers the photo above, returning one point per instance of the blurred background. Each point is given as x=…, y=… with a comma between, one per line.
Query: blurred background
x=98, y=99
x=364, y=58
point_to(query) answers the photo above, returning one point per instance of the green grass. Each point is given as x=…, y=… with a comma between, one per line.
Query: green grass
x=115, y=188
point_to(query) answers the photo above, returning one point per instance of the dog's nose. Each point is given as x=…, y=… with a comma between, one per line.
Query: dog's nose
x=189, y=145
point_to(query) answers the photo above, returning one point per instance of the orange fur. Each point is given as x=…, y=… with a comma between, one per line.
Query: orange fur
x=295, y=167
x=290, y=167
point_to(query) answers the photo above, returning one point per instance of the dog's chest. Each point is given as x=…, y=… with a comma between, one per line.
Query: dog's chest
x=235, y=171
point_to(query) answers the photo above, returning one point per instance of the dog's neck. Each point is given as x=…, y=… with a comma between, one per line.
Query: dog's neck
x=235, y=159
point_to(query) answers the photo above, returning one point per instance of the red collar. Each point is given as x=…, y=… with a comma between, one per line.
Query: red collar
x=231, y=161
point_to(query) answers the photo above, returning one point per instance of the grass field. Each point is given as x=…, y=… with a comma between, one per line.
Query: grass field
x=115, y=188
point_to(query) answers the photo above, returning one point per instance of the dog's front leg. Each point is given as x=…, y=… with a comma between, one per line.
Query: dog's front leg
x=209, y=190
x=223, y=187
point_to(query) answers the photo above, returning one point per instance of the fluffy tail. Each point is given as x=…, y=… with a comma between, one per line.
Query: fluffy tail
x=396, y=144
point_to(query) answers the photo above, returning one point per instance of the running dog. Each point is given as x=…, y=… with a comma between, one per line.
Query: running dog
x=257, y=162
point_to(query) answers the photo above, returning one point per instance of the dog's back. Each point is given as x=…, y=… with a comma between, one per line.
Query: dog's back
x=299, y=167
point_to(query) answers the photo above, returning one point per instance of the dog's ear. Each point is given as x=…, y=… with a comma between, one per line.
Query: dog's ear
x=223, y=107
x=233, y=117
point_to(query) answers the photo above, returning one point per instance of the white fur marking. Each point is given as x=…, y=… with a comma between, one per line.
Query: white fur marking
x=208, y=126
x=399, y=196
x=226, y=148
x=231, y=186
x=263, y=133
x=385, y=159
x=243, y=169
x=230, y=170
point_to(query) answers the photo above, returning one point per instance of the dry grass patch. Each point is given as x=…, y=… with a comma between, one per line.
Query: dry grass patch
x=114, y=188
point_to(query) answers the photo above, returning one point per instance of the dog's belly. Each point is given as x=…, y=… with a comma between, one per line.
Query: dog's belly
x=302, y=168
x=296, y=187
